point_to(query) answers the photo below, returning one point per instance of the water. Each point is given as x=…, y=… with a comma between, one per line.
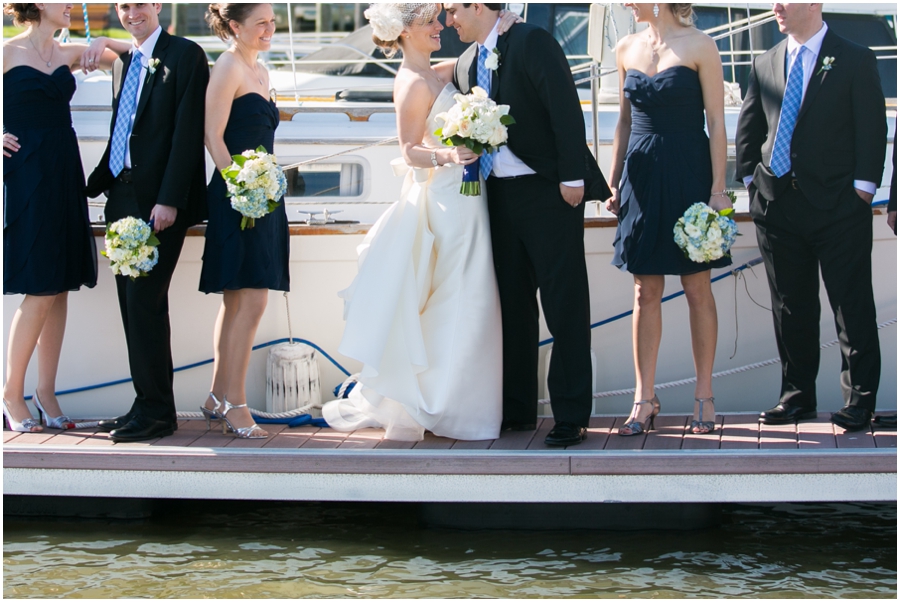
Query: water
x=264, y=550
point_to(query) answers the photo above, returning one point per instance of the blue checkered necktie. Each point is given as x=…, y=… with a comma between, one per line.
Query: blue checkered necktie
x=790, y=108
x=484, y=82
x=127, y=105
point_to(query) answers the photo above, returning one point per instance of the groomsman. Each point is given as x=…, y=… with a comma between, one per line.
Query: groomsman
x=153, y=169
x=810, y=147
x=535, y=190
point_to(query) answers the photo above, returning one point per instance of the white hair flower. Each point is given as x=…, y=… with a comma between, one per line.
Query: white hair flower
x=386, y=21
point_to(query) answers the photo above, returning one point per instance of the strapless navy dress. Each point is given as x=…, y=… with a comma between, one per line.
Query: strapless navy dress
x=48, y=246
x=256, y=257
x=667, y=169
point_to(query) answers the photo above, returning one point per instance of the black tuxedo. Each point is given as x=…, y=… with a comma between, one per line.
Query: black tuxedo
x=168, y=168
x=812, y=218
x=538, y=239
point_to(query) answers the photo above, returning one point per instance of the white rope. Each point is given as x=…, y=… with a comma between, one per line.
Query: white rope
x=199, y=415
x=732, y=371
x=290, y=18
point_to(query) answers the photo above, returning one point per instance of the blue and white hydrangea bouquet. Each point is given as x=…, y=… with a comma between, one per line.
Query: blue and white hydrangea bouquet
x=705, y=234
x=256, y=184
x=131, y=247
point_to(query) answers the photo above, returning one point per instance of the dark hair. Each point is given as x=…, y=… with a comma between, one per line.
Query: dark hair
x=219, y=15
x=684, y=13
x=494, y=7
x=22, y=13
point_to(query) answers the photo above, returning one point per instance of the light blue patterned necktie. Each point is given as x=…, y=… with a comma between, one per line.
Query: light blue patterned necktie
x=790, y=108
x=127, y=105
x=484, y=82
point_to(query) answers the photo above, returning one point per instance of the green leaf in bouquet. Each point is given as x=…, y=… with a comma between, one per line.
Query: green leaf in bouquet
x=153, y=241
x=272, y=206
x=262, y=149
x=710, y=218
x=439, y=132
x=726, y=212
x=239, y=159
x=507, y=120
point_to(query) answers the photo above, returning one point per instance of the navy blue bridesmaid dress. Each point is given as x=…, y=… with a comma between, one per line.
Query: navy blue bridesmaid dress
x=667, y=169
x=257, y=257
x=48, y=245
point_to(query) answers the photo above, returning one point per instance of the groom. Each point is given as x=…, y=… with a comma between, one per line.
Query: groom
x=153, y=169
x=536, y=186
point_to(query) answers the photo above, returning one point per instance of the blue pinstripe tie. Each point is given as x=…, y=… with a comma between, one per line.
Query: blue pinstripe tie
x=790, y=108
x=484, y=82
x=127, y=105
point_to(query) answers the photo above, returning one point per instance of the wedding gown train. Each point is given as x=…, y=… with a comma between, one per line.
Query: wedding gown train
x=423, y=314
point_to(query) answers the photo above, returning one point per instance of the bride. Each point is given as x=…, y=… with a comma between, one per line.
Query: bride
x=423, y=315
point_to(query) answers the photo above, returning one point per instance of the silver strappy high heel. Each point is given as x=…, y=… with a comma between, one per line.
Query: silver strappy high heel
x=630, y=429
x=703, y=427
x=254, y=431
x=215, y=413
x=29, y=425
x=60, y=422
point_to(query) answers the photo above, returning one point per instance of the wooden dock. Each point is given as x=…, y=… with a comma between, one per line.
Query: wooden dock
x=743, y=461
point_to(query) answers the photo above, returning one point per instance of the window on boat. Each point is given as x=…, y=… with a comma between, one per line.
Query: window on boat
x=324, y=180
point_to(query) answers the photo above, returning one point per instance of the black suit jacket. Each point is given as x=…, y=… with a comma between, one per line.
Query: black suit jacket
x=167, y=152
x=841, y=129
x=534, y=79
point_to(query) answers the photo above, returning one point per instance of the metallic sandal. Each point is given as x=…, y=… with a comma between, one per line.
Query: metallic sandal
x=60, y=422
x=214, y=413
x=703, y=427
x=248, y=432
x=630, y=429
x=29, y=425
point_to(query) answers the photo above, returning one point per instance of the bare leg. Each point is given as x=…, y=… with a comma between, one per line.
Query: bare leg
x=24, y=332
x=646, y=336
x=704, y=334
x=244, y=310
x=224, y=322
x=49, y=348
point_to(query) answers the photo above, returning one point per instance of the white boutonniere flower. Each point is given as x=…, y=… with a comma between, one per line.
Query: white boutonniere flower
x=152, y=64
x=492, y=62
x=827, y=62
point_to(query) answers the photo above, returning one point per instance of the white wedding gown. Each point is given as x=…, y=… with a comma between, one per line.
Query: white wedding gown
x=423, y=314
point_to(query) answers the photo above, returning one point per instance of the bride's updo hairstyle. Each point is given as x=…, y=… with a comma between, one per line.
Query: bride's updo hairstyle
x=684, y=13
x=389, y=19
x=22, y=13
x=219, y=15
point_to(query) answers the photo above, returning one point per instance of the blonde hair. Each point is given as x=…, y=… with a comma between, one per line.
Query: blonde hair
x=684, y=13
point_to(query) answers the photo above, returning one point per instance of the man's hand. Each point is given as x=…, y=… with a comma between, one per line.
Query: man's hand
x=163, y=217
x=612, y=203
x=892, y=221
x=865, y=195
x=572, y=196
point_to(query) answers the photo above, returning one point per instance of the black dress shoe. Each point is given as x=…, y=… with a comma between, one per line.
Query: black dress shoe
x=852, y=418
x=518, y=426
x=142, y=428
x=106, y=426
x=785, y=414
x=566, y=433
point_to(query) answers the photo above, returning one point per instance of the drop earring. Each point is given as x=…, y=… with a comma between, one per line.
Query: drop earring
x=656, y=11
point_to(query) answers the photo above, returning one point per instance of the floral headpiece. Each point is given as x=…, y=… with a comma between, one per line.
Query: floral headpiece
x=389, y=19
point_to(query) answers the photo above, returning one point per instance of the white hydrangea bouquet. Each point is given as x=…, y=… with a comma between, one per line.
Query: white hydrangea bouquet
x=256, y=184
x=478, y=123
x=705, y=234
x=131, y=247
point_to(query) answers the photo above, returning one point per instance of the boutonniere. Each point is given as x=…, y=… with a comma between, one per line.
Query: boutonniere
x=152, y=64
x=827, y=62
x=492, y=62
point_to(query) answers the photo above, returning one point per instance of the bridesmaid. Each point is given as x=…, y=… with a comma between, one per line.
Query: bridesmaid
x=48, y=245
x=663, y=162
x=242, y=264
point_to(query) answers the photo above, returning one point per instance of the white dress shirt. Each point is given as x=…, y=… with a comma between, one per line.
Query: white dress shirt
x=146, y=54
x=506, y=163
x=813, y=48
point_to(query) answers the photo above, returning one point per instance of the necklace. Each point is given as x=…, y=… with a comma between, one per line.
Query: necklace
x=254, y=70
x=52, y=47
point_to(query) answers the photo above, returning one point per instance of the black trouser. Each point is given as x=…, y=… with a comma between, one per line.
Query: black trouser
x=538, y=242
x=797, y=240
x=144, y=305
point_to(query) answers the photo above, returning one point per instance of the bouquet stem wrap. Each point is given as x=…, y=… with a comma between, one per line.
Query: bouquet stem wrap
x=471, y=182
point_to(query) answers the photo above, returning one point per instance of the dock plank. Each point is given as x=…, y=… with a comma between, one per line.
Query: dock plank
x=537, y=442
x=774, y=436
x=71, y=437
x=885, y=438
x=188, y=432
x=432, y=441
x=618, y=443
x=363, y=439
x=514, y=440
x=711, y=440
x=816, y=434
x=856, y=440
x=598, y=433
x=272, y=429
x=325, y=438
x=389, y=444
x=740, y=431
x=293, y=438
x=9, y=436
x=668, y=433
x=483, y=444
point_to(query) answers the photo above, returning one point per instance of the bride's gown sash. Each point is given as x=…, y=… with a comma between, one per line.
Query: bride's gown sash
x=422, y=314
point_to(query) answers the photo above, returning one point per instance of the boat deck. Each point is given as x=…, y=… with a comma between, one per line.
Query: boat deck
x=743, y=461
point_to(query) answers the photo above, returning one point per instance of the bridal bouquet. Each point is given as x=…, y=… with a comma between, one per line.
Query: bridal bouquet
x=705, y=234
x=255, y=183
x=478, y=123
x=131, y=247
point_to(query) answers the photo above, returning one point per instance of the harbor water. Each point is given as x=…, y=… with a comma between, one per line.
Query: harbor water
x=318, y=550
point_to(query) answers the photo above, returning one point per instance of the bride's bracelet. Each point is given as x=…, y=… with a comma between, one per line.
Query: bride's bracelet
x=722, y=193
x=434, y=160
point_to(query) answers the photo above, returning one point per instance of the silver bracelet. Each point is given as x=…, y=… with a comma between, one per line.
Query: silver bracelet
x=723, y=193
x=434, y=158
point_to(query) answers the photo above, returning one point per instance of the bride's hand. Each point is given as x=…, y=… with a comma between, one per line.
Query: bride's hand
x=507, y=20
x=462, y=155
x=612, y=203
